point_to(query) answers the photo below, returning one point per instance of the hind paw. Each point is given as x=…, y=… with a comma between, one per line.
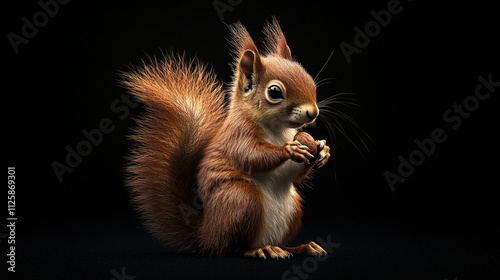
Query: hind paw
x=274, y=252
x=311, y=248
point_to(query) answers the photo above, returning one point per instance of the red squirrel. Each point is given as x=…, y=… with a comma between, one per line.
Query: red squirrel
x=240, y=159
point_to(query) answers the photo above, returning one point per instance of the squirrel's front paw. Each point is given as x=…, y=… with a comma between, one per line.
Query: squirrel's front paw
x=324, y=153
x=297, y=152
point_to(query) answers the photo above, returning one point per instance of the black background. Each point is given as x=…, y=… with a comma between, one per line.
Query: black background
x=440, y=223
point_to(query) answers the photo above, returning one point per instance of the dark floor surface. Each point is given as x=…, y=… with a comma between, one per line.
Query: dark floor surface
x=364, y=250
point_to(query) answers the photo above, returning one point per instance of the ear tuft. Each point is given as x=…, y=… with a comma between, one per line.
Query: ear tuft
x=246, y=58
x=274, y=40
x=240, y=42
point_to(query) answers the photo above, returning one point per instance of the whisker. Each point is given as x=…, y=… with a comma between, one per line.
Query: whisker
x=324, y=81
x=340, y=98
x=352, y=122
x=353, y=125
x=345, y=134
x=331, y=132
x=324, y=65
x=349, y=104
x=346, y=95
x=336, y=119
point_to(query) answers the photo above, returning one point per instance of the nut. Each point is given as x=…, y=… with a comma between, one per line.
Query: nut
x=307, y=140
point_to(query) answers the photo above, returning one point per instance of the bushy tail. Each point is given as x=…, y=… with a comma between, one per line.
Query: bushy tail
x=184, y=108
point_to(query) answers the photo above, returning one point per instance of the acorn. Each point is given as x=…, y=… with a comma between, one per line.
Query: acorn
x=307, y=140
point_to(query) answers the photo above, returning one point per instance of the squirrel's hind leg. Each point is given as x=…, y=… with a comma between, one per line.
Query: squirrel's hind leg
x=232, y=217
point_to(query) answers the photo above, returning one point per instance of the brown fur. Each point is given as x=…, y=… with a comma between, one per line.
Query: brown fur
x=187, y=141
x=170, y=139
x=296, y=220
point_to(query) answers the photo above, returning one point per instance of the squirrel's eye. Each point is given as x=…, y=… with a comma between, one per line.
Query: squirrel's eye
x=274, y=94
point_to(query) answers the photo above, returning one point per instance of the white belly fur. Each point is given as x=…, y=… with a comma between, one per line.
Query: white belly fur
x=278, y=198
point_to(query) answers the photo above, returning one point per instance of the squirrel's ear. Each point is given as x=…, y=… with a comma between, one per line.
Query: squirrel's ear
x=283, y=49
x=245, y=53
x=275, y=42
x=250, y=65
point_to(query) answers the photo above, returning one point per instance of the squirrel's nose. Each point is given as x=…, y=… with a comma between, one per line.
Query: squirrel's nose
x=312, y=113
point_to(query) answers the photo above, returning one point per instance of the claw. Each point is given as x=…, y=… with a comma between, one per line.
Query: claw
x=321, y=145
x=324, y=153
x=321, y=158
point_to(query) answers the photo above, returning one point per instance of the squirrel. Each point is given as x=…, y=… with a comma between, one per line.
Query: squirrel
x=217, y=178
